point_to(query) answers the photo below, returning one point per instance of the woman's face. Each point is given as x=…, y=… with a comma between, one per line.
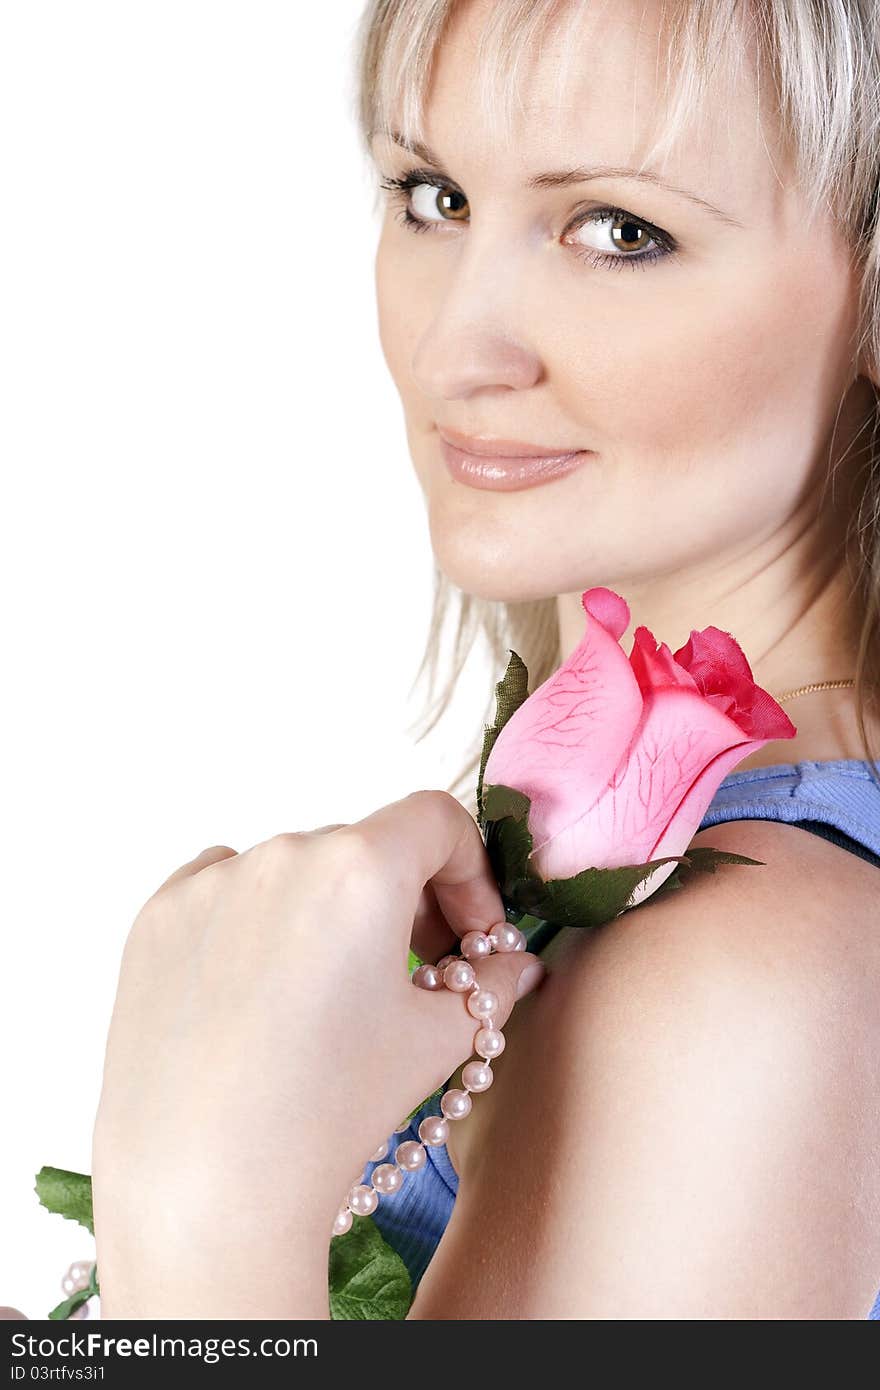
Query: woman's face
x=703, y=362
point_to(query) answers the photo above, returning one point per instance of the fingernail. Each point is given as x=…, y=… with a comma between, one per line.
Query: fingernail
x=532, y=975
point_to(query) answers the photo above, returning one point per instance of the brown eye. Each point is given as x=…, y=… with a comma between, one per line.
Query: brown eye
x=623, y=234
x=427, y=202
x=428, y=199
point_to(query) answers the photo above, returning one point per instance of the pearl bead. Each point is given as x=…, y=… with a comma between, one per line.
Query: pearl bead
x=410, y=1156
x=387, y=1178
x=504, y=936
x=427, y=977
x=489, y=1042
x=459, y=976
x=434, y=1130
x=454, y=972
x=483, y=1003
x=476, y=945
x=477, y=1076
x=343, y=1222
x=456, y=1104
x=77, y=1277
x=363, y=1200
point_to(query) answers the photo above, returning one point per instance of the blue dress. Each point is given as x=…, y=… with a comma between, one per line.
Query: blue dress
x=837, y=800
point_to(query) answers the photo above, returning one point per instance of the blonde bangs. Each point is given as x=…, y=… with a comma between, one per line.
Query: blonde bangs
x=834, y=144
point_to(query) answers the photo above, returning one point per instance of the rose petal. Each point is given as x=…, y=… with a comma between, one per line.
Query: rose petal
x=564, y=744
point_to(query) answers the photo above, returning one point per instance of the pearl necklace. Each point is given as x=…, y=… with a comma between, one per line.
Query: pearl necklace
x=455, y=973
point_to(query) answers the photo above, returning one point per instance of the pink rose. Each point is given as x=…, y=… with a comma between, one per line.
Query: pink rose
x=621, y=756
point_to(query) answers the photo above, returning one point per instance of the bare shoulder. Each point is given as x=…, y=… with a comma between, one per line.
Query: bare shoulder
x=796, y=860
x=808, y=906
x=686, y=1122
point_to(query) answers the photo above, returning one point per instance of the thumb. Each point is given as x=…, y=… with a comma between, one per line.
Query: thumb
x=508, y=974
x=448, y=1027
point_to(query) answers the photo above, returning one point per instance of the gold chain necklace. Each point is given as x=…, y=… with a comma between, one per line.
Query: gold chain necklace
x=817, y=685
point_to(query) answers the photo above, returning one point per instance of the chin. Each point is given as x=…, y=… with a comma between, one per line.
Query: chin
x=489, y=560
x=513, y=546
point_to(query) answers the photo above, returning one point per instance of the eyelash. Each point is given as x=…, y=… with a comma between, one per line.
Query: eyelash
x=400, y=188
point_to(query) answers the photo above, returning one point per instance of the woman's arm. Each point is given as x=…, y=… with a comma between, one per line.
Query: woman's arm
x=699, y=1135
x=199, y=1258
x=265, y=1038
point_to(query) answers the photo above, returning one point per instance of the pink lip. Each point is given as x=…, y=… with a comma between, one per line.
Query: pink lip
x=493, y=447
x=507, y=472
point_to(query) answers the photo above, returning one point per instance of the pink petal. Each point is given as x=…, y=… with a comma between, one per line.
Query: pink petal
x=681, y=736
x=685, y=821
x=719, y=668
x=654, y=666
x=565, y=743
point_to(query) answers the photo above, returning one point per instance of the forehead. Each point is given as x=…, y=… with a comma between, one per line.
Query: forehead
x=589, y=87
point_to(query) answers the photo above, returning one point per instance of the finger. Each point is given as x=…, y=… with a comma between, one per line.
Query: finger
x=444, y=1026
x=211, y=855
x=432, y=936
x=430, y=836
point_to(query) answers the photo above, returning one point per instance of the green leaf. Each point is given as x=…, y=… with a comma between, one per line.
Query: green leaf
x=502, y=802
x=70, y=1305
x=527, y=923
x=67, y=1194
x=368, y=1280
x=704, y=859
x=587, y=899
x=438, y=1092
x=413, y=962
x=590, y=898
x=510, y=692
x=76, y=1300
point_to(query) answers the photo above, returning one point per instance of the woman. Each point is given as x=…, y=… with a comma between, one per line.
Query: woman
x=685, y=1121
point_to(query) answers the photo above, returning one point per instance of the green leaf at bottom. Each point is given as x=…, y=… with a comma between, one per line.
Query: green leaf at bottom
x=70, y=1305
x=368, y=1280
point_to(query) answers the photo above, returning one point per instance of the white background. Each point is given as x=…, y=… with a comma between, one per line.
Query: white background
x=215, y=563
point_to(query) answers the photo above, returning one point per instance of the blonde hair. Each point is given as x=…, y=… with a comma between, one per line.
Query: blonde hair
x=823, y=57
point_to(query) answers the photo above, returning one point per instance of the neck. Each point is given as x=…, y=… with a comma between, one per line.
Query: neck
x=827, y=730
x=789, y=642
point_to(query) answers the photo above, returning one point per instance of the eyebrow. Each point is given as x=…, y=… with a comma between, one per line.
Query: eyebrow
x=563, y=177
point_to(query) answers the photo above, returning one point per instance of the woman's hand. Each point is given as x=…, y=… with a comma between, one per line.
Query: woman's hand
x=265, y=1039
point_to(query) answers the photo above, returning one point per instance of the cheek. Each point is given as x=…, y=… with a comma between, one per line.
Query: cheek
x=750, y=363
x=386, y=305
x=399, y=310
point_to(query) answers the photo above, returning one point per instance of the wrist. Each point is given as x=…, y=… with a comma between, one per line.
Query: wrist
x=229, y=1262
x=291, y=1292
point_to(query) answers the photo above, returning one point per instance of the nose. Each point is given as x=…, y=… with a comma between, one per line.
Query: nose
x=475, y=339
